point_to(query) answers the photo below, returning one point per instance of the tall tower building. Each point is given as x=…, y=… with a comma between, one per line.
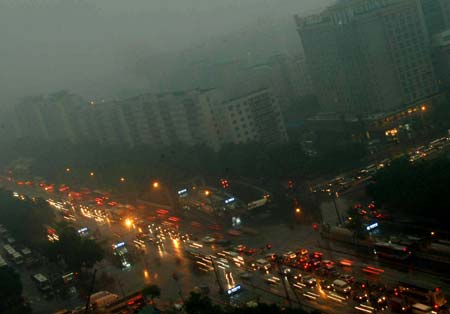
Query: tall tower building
x=367, y=56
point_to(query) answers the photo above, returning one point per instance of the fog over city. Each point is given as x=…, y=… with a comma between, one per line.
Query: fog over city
x=224, y=156
x=99, y=47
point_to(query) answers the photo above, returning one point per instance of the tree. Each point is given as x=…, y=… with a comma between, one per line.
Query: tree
x=11, y=300
x=77, y=252
x=151, y=291
x=200, y=304
x=355, y=222
x=418, y=190
x=25, y=217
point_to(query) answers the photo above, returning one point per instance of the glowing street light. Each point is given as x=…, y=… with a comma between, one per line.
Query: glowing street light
x=156, y=184
x=128, y=222
x=298, y=210
x=91, y=174
x=207, y=192
x=122, y=179
x=67, y=169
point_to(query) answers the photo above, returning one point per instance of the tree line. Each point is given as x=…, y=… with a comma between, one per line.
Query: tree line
x=417, y=189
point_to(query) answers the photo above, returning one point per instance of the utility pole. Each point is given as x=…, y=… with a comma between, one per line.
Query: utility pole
x=333, y=197
x=91, y=289
x=216, y=273
x=280, y=272
x=295, y=292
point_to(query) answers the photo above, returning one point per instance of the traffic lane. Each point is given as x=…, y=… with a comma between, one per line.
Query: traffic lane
x=388, y=274
x=158, y=267
x=308, y=298
x=283, y=239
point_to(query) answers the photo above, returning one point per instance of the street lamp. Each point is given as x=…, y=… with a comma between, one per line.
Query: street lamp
x=207, y=192
x=156, y=184
x=67, y=169
x=128, y=222
x=91, y=174
x=122, y=179
x=298, y=210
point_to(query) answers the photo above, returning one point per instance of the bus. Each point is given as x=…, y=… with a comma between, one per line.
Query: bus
x=439, y=143
x=431, y=297
x=42, y=283
x=391, y=250
x=2, y=262
x=420, y=308
x=13, y=255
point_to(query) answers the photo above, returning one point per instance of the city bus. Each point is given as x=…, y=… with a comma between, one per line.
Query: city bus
x=420, y=308
x=42, y=283
x=432, y=297
x=391, y=250
x=13, y=255
x=2, y=262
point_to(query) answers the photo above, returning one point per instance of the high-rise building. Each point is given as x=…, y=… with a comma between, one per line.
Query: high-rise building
x=193, y=117
x=367, y=56
x=436, y=15
x=254, y=117
x=441, y=58
x=48, y=117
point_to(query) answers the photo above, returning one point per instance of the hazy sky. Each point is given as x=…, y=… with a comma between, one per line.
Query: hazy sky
x=90, y=45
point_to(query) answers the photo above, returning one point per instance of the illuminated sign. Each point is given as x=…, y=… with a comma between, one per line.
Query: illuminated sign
x=228, y=201
x=372, y=226
x=83, y=230
x=233, y=290
x=182, y=192
x=118, y=245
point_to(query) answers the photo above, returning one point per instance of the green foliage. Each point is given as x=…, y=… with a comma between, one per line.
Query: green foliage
x=75, y=251
x=356, y=223
x=199, y=304
x=151, y=291
x=141, y=164
x=11, y=300
x=420, y=189
x=25, y=218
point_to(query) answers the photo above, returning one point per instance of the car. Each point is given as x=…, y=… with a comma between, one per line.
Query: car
x=311, y=265
x=316, y=256
x=288, y=257
x=272, y=280
x=309, y=281
x=342, y=286
x=240, y=248
x=271, y=257
x=361, y=296
x=286, y=270
x=328, y=264
x=297, y=276
x=327, y=285
x=262, y=265
x=208, y=239
x=348, y=278
x=223, y=242
x=245, y=275
x=250, y=251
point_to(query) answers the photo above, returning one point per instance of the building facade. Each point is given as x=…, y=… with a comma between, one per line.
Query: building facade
x=367, y=56
x=255, y=117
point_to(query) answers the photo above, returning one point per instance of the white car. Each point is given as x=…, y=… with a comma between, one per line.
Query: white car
x=208, y=239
